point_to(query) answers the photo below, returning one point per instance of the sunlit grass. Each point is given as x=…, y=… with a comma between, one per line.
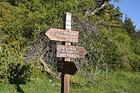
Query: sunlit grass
x=116, y=82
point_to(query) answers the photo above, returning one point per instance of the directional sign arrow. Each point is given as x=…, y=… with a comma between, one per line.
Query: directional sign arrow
x=70, y=51
x=67, y=67
x=62, y=35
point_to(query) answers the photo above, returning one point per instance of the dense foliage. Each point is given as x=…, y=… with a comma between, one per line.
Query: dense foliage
x=105, y=36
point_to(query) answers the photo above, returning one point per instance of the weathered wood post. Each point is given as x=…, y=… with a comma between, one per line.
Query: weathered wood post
x=67, y=67
x=65, y=76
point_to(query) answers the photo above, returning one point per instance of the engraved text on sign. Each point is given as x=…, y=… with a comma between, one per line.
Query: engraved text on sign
x=70, y=51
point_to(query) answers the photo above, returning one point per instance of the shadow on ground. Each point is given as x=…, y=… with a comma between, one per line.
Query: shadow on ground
x=18, y=74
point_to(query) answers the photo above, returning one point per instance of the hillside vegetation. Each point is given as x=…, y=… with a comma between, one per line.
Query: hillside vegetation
x=111, y=65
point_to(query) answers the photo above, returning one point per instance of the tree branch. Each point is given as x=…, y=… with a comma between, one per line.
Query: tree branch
x=90, y=13
x=46, y=68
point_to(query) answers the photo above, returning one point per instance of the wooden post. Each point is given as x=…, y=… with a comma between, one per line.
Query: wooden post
x=65, y=79
x=66, y=51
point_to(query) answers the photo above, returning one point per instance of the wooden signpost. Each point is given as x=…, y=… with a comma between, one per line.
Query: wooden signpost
x=66, y=51
x=70, y=51
x=67, y=67
x=62, y=35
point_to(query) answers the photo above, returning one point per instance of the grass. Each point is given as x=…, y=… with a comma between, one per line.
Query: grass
x=116, y=82
x=42, y=84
